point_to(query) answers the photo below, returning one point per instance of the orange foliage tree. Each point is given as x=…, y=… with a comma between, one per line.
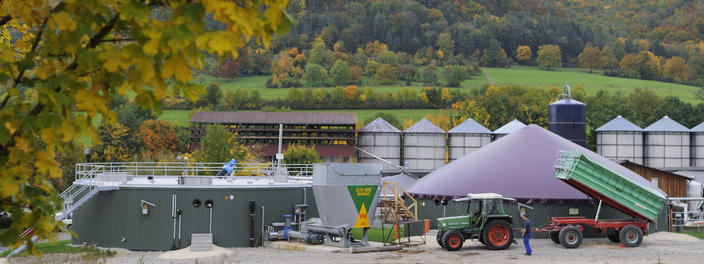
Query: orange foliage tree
x=158, y=137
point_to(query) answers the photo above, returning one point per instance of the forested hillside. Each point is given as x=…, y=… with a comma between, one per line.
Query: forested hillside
x=658, y=40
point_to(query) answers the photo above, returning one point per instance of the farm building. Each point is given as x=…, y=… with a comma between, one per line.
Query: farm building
x=519, y=166
x=619, y=139
x=508, y=128
x=466, y=138
x=675, y=185
x=423, y=147
x=382, y=140
x=666, y=144
x=332, y=134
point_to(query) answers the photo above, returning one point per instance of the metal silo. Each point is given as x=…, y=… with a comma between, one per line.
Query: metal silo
x=508, y=129
x=423, y=146
x=697, y=143
x=467, y=137
x=666, y=144
x=619, y=139
x=568, y=118
x=383, y=140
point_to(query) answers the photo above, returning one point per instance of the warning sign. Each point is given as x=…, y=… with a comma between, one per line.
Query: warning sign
x=362, y=196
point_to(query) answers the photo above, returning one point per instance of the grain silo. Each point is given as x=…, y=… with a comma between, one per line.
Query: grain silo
x=697, y=143
x=508, y=129
x=666, y=144
x=568, y=118
x=467, y=137
x=424, y=147
x=382, y=140
x=619, y=139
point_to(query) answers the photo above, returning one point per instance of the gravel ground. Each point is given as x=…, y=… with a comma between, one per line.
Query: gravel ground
x=661, y=247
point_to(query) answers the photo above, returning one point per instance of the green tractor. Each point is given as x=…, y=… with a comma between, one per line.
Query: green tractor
x=485, y=221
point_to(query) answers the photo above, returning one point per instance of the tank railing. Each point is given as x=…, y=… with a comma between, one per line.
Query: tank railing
x=122, y=170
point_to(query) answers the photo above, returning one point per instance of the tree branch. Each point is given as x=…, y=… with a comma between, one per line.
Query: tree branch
x=98, y=38
x=118, y=40
x=4, y=20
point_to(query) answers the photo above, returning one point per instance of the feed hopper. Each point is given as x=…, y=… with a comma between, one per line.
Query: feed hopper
x=346, y=195
x=601, y=183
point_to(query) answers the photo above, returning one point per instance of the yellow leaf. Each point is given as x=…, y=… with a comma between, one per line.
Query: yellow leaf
x=63, y=21
x=178, y=67
x=47, y=165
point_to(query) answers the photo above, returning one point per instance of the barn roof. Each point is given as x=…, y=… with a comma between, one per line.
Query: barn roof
x=275, y=118
x=619, y=124
x=424, y=126
x=380, y=125
x=470, y=126
x=666, y=124
x=520, y=166
x=510, y=127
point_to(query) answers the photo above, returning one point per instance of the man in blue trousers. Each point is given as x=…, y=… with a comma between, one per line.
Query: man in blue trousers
x=526, y=233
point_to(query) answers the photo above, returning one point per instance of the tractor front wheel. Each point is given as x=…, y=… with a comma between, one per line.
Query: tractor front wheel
x=497, y=234
x=452, y=240
x=439, y=238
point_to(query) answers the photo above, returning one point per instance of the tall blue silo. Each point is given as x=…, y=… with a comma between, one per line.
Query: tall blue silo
x=568, y=118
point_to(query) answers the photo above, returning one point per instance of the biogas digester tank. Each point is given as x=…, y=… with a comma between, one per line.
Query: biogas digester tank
x=568, y=118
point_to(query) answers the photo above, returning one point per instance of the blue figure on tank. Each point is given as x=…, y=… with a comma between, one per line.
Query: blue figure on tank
x=227, y=168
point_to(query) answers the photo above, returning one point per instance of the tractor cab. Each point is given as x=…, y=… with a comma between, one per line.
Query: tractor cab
x=485, y=221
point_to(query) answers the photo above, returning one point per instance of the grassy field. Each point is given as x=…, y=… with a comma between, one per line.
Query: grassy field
x=64, y=247
x=592, y=82
x=258, y=82
x=520, y=75
x=699, y=235
x=181, y=116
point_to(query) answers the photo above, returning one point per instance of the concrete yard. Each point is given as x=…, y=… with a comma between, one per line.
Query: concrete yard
x=661, y=247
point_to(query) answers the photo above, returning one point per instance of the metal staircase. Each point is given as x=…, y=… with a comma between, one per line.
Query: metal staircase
x=84, y=187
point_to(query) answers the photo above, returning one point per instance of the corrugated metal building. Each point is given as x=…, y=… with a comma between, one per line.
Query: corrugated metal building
x=115, y=219
x=697, y=145
x=666, y=144
x=332, y=134
x=508, y=129
x=619, y=139
x=466, y=138
x=423, y=147
x=384, y=141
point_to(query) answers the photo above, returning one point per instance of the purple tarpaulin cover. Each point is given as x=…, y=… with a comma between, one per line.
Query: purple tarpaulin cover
x=519, y=165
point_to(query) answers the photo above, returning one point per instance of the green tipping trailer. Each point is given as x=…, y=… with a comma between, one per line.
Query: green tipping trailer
x=601, y=183
x=643, y=203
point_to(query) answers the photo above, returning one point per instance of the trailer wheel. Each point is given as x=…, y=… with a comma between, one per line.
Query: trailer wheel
x=439, y=238
x=452, y=240
x=614, y=237
x=498, y=234
x=570, y=237
x=631, y=236
x=555, y=237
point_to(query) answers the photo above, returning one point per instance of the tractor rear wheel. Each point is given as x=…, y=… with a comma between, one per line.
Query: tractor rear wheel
x=439, y=238
x=497, y=234
x=555, y=237
x=452, y=240
x=570, y=237
x=631, y=236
